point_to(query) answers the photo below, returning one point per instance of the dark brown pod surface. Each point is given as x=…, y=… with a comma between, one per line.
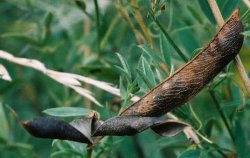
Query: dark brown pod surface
x=82, y=129
x=131, y=125
x=126, y=125
x=54, y=129
x=186, y=82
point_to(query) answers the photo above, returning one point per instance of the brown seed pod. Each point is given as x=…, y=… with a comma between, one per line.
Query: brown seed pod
x=186, y=82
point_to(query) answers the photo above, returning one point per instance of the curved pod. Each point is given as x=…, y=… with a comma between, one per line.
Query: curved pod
x=186, y=82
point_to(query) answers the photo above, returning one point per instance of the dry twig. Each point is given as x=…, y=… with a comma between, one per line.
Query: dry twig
x=68, y=79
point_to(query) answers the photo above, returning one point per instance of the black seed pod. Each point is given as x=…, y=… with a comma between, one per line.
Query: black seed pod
x=54, y=129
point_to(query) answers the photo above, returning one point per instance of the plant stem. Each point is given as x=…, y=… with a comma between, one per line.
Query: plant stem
x=139, y=18
x=247, y=3
x=98, y=28
x=109, y=31
x=89, y=152
x=221, y=153
x=138, y=146
x=216, y=11
x=169, y=38
x=222, y=115
x=139, y=37
x=197, y=119
x=242, y=73
x=245, y=15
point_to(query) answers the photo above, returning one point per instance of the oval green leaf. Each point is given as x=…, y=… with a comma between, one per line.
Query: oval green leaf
x=67, y=111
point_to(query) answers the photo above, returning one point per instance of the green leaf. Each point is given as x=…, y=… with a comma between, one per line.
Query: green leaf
x=156, y=60
x=207, y=10
x=190, y=154
x=141, y=84
x=21, y=37
x=123, y=91
x=46, y=28
x=81, y=4
x=165, y=51
x=122, y=72
x=241, y=139
x=228, y=7
x=65, y=152
x=196, y=51
x=100, y=71
x=168, y=142
x=67, y=111
x=48, y=19
x=133, y=88
x=195, y=14
x=243, y=18
x=246, y=33
x=58, y=101
x=4, y=132
x=147, y=48
x=124, y=65
x=145, y=79
x=146, y=72
x=145, y=67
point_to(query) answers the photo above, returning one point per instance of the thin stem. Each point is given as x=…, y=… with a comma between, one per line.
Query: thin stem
x=109, y=31
x=139, y=37
x=218, y=83
x=216, y=11
x=242, y=73
x=98, y=27
x=170, y=14
x=181, y=54
x=221, y=153
x=89, y=152
x=219, y=150
x=222, y=115
x=195, y=116
x=247, y=3
x=245, y=15
x=203, y=137
x=87, y=14
x=140, y=21
x=138, y=146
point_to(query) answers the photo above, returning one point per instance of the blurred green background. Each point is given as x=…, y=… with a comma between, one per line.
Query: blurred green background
x=83, y=37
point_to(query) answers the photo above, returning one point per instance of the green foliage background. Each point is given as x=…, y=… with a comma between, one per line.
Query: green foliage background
x=74, y=37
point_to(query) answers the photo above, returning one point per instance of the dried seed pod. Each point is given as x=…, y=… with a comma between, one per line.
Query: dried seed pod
x=186, y=82
x=131, y=125
x=83, y=125
x=169, y=128
x=79, y=130
x=54, y=129
x=125, y=125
